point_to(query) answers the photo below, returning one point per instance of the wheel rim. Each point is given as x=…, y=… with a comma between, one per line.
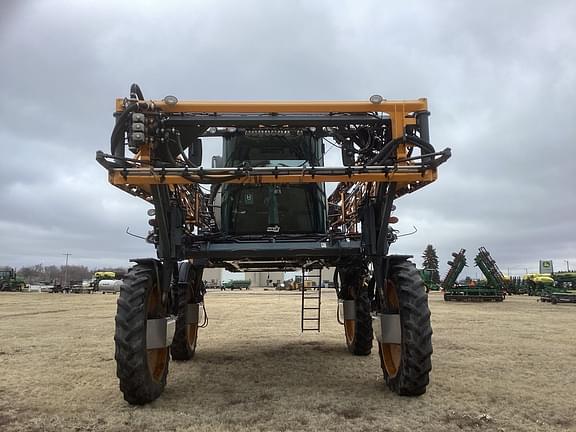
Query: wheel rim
x=349, y=330
x=391, y=353
x=157, y=358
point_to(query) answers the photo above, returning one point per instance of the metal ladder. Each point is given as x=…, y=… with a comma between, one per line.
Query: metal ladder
x=311, y=301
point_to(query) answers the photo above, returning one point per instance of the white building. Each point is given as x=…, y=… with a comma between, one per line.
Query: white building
x=265, y=279
x=213, y=276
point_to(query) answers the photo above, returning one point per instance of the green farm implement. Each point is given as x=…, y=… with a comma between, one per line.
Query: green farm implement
x=239, y=284
x=563, y=290
x=558, y=295
x=537, y=284
x=565, y=279
x=491, y=289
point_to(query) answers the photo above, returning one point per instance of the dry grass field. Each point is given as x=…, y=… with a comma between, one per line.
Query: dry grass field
x=496, y=367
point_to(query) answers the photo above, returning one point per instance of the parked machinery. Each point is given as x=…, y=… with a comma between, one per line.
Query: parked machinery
x=106, y=281
x=239, y=284
x=537, y=283
x=427, y=276
x=563, y=290
x=9, y=281
x=565, y=279
x=492, y=289
x=456, y=266
x=267, y=211
x=516, y=285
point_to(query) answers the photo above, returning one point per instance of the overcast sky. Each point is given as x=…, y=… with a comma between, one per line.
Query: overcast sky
x=500, y=78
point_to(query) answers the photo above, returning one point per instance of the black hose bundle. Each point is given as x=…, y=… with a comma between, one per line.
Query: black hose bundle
x=117, y=136
x=390, y=147
x=135, y=92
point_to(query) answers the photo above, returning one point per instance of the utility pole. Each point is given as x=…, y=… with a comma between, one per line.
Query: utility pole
x=66, y=270
x=567, y=265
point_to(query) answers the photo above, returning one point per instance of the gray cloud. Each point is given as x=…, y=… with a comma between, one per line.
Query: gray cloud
x=500, y=78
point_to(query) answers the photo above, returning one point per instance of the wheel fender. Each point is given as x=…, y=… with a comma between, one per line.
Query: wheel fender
x=184, y=270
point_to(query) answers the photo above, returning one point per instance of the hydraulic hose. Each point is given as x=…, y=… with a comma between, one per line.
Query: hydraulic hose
x=205, y=323
x=135, y=92
x=388, y=149
x=117, y=136
x=181, y=150
x=119, y=127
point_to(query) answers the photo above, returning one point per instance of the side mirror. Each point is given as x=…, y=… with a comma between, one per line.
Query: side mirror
x=195, y=152
x=217, y=162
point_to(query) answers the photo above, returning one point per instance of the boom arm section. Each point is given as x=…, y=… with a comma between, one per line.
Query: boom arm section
x=456, y=267
x=488, y=267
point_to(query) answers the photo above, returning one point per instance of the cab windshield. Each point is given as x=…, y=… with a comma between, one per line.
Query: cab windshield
x=273, y=150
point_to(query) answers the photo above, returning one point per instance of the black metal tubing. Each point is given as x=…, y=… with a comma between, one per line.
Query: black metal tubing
x=247, y=121
x=287, y=251
x=165, y=245
x=422, y=123
x=244, y=171
x=382, y=244
x=120, y=127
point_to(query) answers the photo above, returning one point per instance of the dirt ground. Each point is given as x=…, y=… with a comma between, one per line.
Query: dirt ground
x=496, y=367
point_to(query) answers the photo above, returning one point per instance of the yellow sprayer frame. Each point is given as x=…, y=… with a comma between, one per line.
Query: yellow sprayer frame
x=353, y=184
x=400, y=113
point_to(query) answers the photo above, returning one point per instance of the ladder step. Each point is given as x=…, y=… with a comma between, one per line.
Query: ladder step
x=311, y=300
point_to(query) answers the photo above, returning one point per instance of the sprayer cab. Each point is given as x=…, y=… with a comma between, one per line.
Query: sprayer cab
x=262, y=209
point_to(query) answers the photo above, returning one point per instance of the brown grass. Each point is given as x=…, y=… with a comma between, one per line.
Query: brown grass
x=497, y=367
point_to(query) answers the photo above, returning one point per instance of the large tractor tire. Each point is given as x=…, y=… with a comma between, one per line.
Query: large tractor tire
x=407, y=365
x=357, y=331
x=142, y=372
x=189, y=290
x=359, y=335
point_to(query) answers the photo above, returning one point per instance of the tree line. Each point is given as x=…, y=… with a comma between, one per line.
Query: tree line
x=41, y=273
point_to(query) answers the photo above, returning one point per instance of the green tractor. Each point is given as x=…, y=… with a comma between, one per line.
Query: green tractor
x=9, y=281
x=427, y=276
